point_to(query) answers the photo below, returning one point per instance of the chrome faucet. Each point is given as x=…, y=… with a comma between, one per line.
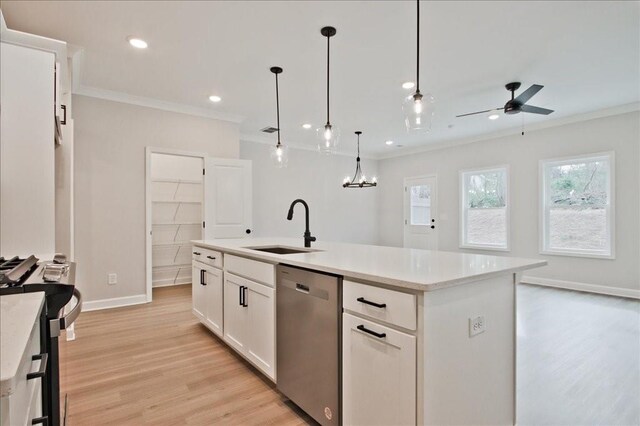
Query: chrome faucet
x=307, y=234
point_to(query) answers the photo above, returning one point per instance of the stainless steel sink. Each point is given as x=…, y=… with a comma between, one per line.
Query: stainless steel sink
x=281, y=249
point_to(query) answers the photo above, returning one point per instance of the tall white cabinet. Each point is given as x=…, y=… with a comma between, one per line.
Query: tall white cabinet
x=27, y=191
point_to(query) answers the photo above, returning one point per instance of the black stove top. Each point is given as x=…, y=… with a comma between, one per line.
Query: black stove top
x=15, y=271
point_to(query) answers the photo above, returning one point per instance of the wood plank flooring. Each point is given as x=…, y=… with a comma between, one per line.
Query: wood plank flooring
x=156, y=364
x=578, y=364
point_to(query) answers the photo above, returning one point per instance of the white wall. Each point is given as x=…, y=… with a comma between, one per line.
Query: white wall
x=336, y=213
x=109, y=149
x=619, y=133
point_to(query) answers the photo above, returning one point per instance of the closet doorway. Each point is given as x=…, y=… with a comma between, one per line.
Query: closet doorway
x=174, y=191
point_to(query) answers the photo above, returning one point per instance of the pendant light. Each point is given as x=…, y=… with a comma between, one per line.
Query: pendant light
x=279, y=153
x=329, y=134
x=418, y=108
x=359, y=179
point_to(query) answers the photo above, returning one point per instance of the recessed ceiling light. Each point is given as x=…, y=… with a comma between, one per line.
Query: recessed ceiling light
x=389, y=142
x=408, y=85
x=306, y=126
x=138, y=43
x=214, y=98
x=494, y=116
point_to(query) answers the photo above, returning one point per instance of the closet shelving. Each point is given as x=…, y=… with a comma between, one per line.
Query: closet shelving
x=176, y=220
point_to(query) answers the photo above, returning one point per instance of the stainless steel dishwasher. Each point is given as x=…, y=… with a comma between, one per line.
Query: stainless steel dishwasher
x=308, y=325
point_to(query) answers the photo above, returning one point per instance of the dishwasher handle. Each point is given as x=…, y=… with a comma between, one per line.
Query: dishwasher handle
x=302, y=288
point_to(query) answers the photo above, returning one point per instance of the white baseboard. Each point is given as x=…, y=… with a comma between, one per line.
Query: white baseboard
x=116, y=302
x=589, y=288
x=169, y=283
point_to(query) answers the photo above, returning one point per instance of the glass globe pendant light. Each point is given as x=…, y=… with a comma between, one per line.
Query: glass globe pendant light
x=279, y=153
x=359, y=179
x=418, y=108
x=329, y=134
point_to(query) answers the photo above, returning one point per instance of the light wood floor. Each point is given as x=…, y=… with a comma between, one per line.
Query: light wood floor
x=578, y=364
x=155, y=364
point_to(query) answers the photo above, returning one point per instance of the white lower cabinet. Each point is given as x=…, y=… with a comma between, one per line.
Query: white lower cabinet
x=207, y=291
x=378, y=374
x=249, y=321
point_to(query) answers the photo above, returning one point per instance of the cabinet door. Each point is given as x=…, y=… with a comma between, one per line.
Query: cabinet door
x=261, y=327
x=227, y=195
x=213, y=300
x=235, y=314
x=197, y=292
x=378, y=374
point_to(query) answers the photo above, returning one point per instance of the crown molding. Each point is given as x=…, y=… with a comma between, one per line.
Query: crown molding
x=265, y=141
x=77, y=60
x=607, y=112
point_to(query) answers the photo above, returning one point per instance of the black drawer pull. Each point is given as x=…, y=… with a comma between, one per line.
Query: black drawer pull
x=44, y=358
x=197, y=253
x=202, y=272
x=244, y=297
x=211, y=257
x=40, y=421
x=241, y=295
x=371, y=332
x=365, y=301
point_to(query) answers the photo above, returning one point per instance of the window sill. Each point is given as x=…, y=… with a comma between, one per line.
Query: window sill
x=578, y=254
x=480, y=247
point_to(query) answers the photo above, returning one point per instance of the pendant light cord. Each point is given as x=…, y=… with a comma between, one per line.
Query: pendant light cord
x=328, y=47
x=418, y=50
x=358, y=148
x=278, y=108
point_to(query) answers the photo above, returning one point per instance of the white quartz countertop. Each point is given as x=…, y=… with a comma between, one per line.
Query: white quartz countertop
x=423, y=270
x=18, y=314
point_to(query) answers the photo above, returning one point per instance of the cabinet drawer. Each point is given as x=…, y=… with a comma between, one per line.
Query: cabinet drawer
x=390, y=306
x=248, y=268
x=207, y=256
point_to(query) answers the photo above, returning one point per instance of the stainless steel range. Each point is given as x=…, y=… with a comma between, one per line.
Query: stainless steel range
x=56, y=279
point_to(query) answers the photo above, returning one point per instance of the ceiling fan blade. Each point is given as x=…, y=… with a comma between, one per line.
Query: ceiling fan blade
x=523, y=97
x=479, y=112
x=535, y=110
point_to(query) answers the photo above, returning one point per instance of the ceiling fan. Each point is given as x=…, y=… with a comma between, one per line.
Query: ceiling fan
x=518, y=104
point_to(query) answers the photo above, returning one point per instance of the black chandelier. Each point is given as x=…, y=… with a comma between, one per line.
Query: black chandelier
x=359, y=179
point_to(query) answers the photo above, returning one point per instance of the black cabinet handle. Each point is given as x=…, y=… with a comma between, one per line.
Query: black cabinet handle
x=202, y=274
x=211, y=257
x=433, y=227
x=197, y=253
x=244, y=297
x=371, y=332
x=40, y=421
x=240, y=295
x=248, y=231
x=367, y=302
x=43, y=366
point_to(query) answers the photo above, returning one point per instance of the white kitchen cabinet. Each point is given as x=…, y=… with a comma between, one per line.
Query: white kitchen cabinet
x=249, y=321
x=27, y=160
x=235, y=314
x=378, y=374
x=197, y=292
x=207, y=294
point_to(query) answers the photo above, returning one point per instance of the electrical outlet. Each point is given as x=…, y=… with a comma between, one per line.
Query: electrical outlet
x=477, y=325
x=112, y=279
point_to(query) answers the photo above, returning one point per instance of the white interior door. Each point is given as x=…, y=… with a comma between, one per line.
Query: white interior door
x=420, y=213
x=227, y=198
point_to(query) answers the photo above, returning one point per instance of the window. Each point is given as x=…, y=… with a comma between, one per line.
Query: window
x=484, y=209
x=420, y=200
x=577, y=205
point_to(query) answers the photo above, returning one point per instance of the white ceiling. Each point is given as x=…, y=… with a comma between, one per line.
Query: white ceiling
x=586, y=54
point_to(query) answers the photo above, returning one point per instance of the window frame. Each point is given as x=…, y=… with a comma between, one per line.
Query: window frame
x=543, y=231
x=463, y=209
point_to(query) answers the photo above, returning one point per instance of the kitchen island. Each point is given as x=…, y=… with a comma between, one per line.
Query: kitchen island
x=428, y=337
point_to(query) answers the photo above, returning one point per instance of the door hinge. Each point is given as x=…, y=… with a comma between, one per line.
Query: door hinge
x=405, y=221
x=202, y=172
x=203, y=224
x=405, y=189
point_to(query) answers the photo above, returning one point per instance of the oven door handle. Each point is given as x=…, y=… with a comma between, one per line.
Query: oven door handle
x=59, y=324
